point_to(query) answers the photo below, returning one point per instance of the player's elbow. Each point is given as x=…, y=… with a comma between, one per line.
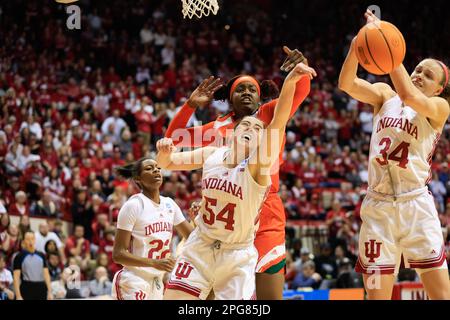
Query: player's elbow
x=344, y=85
x=117, y=255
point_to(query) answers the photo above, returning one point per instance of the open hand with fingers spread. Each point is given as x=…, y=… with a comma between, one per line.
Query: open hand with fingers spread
x=293, y=58
x=203, y=94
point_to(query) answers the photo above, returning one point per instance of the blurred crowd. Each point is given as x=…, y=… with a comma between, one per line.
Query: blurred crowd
x=75, y=104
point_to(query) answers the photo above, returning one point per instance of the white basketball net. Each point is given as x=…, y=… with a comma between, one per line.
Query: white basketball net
x=199, y=8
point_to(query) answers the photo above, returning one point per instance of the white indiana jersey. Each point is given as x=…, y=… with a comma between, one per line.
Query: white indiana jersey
x=401, y=149
x=151, y=227
x=231, y=200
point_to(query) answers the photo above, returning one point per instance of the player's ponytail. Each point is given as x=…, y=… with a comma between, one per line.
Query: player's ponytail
x=131, y=170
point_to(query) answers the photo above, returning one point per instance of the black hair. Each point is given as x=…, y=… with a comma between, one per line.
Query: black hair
x=132, y=170
x=2, y=255
x=47, y=245
x=269, y=90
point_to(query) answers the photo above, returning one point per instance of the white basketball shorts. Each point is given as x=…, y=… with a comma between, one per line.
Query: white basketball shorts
x=204, y=265
x=408, y=225
x=128, y=286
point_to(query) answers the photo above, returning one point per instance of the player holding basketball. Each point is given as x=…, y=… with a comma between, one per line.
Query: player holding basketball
x=244, y=95
x=398, y=213
x=220, y=254
x=144, y=232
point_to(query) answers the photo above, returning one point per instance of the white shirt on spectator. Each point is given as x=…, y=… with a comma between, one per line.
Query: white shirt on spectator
x=2, y=208
x=119, y=124
x=167, y=56
x=364, y=175
x=35, y=128
x=146, y=36
x=42, y=240
x=6, y=278
x=366, y=121
x=23, y=161
x=143, y=74
x=221, y=106
x=160, y=39
x=101, y=104
x=11, y=161
x=352, y=105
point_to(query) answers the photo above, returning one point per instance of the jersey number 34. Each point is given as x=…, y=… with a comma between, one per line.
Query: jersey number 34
x=399, y=154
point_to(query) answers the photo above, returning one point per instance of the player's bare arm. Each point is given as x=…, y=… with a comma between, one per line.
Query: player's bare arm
x=374, y=94
x=122, y=256
x=168, y=159
x=269, y=149
x=435, y=108
x=184, y=229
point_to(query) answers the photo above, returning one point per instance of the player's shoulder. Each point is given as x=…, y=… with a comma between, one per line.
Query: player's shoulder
x=385, y=89
x=168, y=202
x=134, y=204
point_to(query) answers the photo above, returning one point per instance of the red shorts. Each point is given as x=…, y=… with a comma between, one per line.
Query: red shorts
x=270, y=237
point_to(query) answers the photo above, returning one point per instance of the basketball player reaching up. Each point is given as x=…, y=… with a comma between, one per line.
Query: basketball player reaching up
x=220, y=254
x=144, y=232
x=399, y=215
x=244, y=95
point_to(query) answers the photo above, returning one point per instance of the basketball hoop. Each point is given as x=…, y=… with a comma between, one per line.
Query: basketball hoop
x=199, y=8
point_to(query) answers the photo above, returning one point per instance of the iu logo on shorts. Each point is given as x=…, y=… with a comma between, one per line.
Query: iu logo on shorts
x=373, y=251
x=183, y=270
x=140, y=295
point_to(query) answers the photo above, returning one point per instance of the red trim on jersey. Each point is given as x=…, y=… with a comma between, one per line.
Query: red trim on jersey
x=118, y=293
x=430, y=158
x=360, y=267
x=181, y=286
x=429, y=263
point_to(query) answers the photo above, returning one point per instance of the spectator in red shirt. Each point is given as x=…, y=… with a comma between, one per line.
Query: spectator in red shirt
x=144, y=120
x=99, y=226
x=106, y=246
x=98, y=162
x=116, y=160
x=335, y=219
x=137, y=146
x=79, y=247
x=20, y=206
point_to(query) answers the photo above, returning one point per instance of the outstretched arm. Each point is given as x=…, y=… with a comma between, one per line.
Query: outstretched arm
x=168, y=159
x=302, y=89
x=434, y=108
x=272, y=139
x=359, y=89
x=193, y=137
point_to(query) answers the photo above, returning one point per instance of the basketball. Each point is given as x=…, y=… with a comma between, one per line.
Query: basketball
x=380, y=47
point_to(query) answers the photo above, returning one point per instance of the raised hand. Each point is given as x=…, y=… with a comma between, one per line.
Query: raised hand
x=299, y=70
x=203, y=94
x=293, y=58
x=165, y=146
x=371, y=17
x=193, y=210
